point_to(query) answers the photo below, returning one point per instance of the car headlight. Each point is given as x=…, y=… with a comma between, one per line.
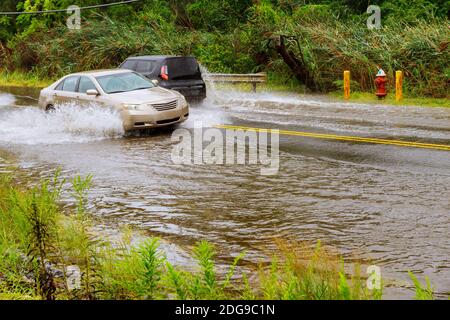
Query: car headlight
x=127, y=106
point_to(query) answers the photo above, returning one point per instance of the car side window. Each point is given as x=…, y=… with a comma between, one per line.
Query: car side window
x=59, y=87
x=70, y=84
x=144, y=66
x=129, y=64
x=85, y=85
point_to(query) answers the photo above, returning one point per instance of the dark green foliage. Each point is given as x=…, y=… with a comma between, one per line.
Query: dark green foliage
x=7, y=23
x=236, y=36
x=221, y=15
x=328, y=46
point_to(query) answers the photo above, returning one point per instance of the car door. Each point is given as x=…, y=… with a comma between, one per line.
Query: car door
x=66, y=91
x=84, y=85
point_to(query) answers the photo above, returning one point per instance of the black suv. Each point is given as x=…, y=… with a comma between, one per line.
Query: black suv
x=177, y=73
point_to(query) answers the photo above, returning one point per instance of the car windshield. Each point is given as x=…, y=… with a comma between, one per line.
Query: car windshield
x=123, y=82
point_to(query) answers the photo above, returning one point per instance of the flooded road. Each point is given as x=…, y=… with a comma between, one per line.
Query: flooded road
x=386, y=204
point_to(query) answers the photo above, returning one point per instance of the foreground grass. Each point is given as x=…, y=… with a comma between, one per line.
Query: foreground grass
x=39, y=244
x=21, y=79
x=369, y=97
x=40, y=247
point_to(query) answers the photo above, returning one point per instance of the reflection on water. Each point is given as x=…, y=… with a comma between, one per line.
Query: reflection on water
x=382, y=203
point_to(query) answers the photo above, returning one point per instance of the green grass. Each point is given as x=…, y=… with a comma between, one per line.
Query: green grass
x=22, y=79
x=367, y=97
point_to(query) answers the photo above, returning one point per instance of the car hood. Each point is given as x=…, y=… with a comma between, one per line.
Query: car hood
x=152, y=95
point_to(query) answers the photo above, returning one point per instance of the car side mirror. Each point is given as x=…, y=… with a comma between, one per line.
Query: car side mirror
x=92, y=92
x=155, y=82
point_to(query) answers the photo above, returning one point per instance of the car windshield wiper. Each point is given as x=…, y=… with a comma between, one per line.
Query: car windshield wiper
x=141, y=88
x=118, y=91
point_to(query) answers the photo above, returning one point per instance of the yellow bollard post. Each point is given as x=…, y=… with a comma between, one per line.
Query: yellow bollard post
x=346, y=85
x=398, y=85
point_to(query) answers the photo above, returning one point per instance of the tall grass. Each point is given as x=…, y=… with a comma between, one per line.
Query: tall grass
x=23, y=79
x=421, y=292
x=330, y=45
x=39, y=241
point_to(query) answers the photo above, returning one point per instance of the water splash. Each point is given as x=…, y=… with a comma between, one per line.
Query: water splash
x=313, y=113
x=6, y=99
x=213, y=94
x=67, y=124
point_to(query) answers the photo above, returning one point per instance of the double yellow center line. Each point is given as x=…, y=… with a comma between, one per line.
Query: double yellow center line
x=401, y=143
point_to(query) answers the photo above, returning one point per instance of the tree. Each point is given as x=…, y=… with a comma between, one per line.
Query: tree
x=219, y=14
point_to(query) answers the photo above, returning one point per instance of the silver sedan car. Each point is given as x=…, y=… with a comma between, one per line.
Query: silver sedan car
x=141, y=103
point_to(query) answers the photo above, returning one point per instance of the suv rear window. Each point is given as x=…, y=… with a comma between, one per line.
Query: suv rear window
x=144, y=66
x=129, y=64
x=183, y=68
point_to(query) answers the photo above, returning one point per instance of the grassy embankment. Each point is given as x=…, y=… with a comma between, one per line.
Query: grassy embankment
x=22, y=79
x=369, y=97
x=39, y=241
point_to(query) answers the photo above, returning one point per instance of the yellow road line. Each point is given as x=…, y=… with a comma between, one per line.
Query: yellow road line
x=401, y=143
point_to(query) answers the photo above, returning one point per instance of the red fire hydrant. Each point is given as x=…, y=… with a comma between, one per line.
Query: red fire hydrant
x=380, y=83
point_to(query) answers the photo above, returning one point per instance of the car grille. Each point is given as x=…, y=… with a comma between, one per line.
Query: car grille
x=165, y=106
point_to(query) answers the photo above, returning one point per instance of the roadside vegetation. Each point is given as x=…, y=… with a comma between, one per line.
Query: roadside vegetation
x=366, y=97
x=21, y=79
x=323, y=37
x=41, y=244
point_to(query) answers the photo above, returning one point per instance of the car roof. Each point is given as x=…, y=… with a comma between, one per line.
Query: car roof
x=96, y=73
x=156, y=57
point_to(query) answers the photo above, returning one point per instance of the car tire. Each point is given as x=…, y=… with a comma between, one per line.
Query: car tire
x=49, y=108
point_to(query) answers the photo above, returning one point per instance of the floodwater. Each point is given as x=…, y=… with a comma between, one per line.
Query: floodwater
x=387, y=205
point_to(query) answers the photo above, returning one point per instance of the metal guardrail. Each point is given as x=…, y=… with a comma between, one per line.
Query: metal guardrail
x=253, y=78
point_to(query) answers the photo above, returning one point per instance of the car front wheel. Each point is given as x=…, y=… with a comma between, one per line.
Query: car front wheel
x=49, y=108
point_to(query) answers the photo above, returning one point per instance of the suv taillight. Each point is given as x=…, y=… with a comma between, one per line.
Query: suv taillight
x=165, y=72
